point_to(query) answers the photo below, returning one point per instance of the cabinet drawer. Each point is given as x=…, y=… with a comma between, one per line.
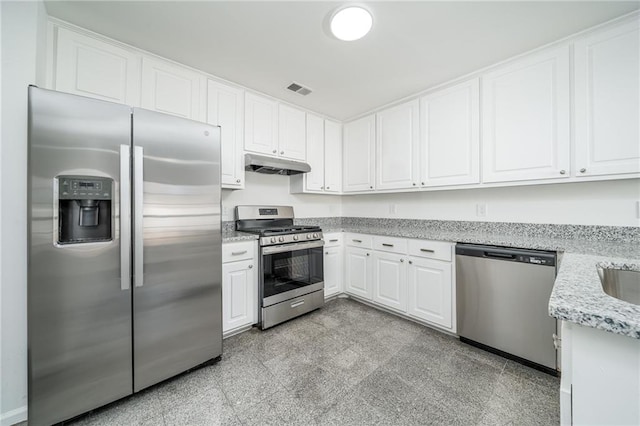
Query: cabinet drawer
x=431, y=249
x=359, y=240
x=232, y=252
x=333, y=239
x=390, y=244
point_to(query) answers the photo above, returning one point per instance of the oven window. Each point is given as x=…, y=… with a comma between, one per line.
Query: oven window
x=291, y=270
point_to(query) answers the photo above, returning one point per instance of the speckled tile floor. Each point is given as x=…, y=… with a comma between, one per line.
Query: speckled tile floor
x=346, y=364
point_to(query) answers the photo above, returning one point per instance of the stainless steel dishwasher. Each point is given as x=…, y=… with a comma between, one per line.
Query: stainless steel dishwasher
x=502, y=302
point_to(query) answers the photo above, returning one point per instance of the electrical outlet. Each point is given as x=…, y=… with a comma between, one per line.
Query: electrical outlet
x=481, y=209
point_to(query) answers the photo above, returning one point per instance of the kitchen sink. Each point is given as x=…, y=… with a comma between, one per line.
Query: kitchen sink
x=621, y=284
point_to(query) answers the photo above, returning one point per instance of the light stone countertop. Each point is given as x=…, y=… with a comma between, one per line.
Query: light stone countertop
x=235, y=236
x=577, y=295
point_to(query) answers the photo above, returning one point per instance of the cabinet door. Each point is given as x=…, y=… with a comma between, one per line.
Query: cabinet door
x=260, y=124
x=88, y=67
x=430, y=291
x=172, y=89
x=226, y=109
x=315, y=149
x=237, y=294
x=450, y=142
x=358, y=272
x=359, y=154
x=292, y=132
x=332, y=271
x=397, y=145
x=607, y=101
x=525, y=119
x=332, y=156
x=390, y=280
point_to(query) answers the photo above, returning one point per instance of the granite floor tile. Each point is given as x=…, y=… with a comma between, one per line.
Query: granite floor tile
x=345, y=364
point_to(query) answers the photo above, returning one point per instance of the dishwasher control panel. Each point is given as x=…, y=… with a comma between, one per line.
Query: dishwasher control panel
x=535, y=260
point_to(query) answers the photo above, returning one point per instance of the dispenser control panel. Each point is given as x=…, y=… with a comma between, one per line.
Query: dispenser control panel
x=83, y=188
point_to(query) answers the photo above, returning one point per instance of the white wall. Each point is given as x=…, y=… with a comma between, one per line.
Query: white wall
x=588, y=203
x=274, y=190
x=23, y=27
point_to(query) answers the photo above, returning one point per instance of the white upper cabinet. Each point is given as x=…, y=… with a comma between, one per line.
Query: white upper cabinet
x=89, y=67
x=450, y=136
x=226, y=109
x=359, y=154
x=261, y=124
x=332, y=156
x=315, y=151
x=397, y=147
x=172, y=89
x=292, y=132
x=525, y=119
x=607, y=101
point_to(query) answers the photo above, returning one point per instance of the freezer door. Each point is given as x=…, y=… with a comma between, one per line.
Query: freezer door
x=79, y=311
x=177, y=246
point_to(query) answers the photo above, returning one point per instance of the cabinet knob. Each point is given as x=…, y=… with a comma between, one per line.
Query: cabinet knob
x=583, y=170
x=281, y=152
x=237, y=180
x=326, y=252
x=414, y=184
x=371, y=187
x=562, y=172
x=250, y=266
x=367, y=254
x=275, y=151
x=410, y=262
x=422, y=183
x=401, y=260
x=322, y=187
x=328, y=187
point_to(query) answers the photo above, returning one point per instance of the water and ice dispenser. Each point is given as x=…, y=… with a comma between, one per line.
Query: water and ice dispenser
x=85, y=204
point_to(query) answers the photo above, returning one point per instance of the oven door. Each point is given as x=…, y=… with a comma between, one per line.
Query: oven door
x=291, y=270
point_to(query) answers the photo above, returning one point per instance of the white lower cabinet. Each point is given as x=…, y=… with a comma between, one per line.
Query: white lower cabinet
x=357, y=276
x=430, y=290
x=390, y=280
x=239, y=286
x=333, y=261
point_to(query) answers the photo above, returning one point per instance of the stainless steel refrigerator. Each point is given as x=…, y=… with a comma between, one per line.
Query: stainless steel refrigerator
x=124, y=273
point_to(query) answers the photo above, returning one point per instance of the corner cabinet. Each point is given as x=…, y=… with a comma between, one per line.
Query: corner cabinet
x=450, y=136
x=225, y=108
x=89, y=67
x=239, y=286
x=607, y=101
x=359, y=155
x=173, y=89
x=397, y=147
x=525, y=121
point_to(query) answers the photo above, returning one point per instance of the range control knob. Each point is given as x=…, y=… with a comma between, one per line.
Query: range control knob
x=295, y=238
x=281, y=239
x=315, y=235
x=309, y=236
x=272, y=240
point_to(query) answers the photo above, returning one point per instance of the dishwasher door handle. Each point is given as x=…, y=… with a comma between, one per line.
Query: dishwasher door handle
x=499, y=255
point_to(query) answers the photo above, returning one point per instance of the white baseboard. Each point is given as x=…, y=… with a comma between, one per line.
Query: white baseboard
x=12, y=417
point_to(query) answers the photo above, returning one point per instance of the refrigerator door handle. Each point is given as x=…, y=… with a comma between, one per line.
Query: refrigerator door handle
x=125, y=217
x=138, y=204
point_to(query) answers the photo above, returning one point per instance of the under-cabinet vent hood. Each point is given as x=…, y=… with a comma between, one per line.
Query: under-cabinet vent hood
x=274, y=166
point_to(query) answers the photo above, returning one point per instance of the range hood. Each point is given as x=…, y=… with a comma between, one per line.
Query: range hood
x=274, y=166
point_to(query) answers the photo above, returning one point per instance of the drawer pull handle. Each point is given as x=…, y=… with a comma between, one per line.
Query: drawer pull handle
x=298, y=303
x=250, y=266
x=428, y=250
x=237, y=253
x=387, y=245
x=357, y=241
x=333, y=241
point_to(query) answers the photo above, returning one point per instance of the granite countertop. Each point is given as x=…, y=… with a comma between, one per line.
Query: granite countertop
x=230, y=236
x=577, y=294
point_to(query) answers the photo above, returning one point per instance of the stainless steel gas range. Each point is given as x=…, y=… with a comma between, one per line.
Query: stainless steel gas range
x=291, y=263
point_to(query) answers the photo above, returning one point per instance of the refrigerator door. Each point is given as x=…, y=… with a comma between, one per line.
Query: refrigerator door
x=79, y=311
x=177, y=246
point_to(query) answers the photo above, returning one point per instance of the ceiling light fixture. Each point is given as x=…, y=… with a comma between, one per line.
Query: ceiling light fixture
x=351, y=23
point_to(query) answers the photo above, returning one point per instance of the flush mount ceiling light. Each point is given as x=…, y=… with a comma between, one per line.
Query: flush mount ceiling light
x=351, y=23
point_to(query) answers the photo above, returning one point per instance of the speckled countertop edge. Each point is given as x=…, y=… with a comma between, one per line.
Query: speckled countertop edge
x=577, y=294
x=234, y=236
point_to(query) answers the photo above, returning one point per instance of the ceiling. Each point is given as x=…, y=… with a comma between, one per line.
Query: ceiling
x=266, y=45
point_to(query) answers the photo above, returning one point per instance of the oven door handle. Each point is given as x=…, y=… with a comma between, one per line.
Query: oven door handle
x=292, y=247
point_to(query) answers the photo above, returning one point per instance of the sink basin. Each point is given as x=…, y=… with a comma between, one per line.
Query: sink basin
x=621, y=284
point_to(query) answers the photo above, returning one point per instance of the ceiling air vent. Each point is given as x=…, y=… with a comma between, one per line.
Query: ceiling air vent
x=301, y=90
